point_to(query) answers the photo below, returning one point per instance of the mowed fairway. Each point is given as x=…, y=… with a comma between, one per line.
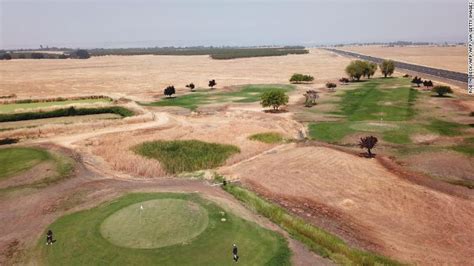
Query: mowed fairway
x=171, y=229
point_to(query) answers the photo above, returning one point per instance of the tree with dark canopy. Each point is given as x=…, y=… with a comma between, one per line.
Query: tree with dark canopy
x=170, y=90
x=368, y=143
x=191, y=86
x=387, y=67
x=416, y=80
x=428, y=83
x=441, y=90
x=212, y=83
x=331, y=86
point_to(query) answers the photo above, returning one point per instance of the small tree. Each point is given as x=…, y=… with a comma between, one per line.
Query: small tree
x=170, y=90
x=344, y=80
x=299, y=78
x=357, y=69
x=331, y=86
x=387, y=67
x=416, y=80
x=212, y=83
x=311, y=97
x=428, y=83
x=273, y=98
x=441, y=90
x=191, y=86
x=368, y=143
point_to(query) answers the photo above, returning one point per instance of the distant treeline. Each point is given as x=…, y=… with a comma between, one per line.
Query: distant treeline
x=214, y=52
x=76, y=54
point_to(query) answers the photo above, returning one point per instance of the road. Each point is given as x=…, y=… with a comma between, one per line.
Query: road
x=447, y=74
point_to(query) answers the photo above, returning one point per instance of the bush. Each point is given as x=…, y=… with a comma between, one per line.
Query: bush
x=368, y=143
x=357, y=69
x=416, y=80
x=441, y=90
x=273, y=98
x=71, y=111
x=37, y=56
x=344, y=80
x=331, y=86
x=298, y=78
x=212, y=83
x=387, y=67
x=5, y=56
x=80, y=54
x=191, y=86
x=170, y=90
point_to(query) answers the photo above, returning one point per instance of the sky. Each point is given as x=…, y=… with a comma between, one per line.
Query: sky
x=146, y=23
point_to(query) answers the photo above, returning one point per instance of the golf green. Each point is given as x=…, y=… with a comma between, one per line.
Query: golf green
x=174, y=229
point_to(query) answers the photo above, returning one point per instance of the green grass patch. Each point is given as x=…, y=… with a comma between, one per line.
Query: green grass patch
x=186, y=155
x=247, y=94
x=370, y=102
x=80, y=240
x=11, y=107
x=318, y=240
x=329, y=131
x=16, y=160
x=71, y=111
x=269, y=137
x=445, y=128
x=467, y=147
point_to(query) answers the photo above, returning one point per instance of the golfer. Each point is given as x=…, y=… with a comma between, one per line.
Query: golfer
x=49, y=237
x=235, y=252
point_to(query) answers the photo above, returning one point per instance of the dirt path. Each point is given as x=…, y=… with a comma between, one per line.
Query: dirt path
x=370, y=206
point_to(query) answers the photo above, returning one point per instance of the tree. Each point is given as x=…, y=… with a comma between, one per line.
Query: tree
x=37, y=55
x=387, y=67
x=80, y=54
x=441, y=90
x=357, y=69
x=428, y=83
x=331, y=86
x=212, y=83
x=311, y=97
x=416, y=80
x=368, y=143
x=6, y=56
x=191, y=86
x=370, y=69
x=299, y=78
x=170, y=90
x=273, y=98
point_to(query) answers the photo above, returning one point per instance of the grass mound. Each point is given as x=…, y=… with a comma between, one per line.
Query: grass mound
x=186, y=155
x=161, y=222
x=270, y=137
x=17, y=160
x=80, y=242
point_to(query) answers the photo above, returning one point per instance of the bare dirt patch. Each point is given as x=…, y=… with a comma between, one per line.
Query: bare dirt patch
x=401, y=219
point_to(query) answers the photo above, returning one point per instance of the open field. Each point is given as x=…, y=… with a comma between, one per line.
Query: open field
x=120, y=232
x=450, y=58
x=313, y=198
x=142, y=77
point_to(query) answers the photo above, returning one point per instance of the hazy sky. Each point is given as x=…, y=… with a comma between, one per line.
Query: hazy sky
x=108, y=23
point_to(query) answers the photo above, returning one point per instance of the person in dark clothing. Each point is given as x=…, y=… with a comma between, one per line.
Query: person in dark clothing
x=49, y=237
x=235, y=252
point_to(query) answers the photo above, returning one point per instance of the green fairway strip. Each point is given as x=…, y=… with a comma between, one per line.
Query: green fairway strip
x=16, y=160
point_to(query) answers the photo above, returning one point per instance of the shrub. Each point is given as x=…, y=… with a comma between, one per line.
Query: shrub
x=357, y=69
x=428, y=83
x=368, y=143
x=273, y=98
x=80, y=54
x=441, y=90
x=387, y=67
x=5, y=56
x=212, y=83
x=191, y=86
x=344, y=80
x=37, y=55
x=298, y=78
x=331, y=86
x=170, y=90
x=416, y=80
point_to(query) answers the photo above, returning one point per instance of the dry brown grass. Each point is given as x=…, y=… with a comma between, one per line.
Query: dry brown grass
x=227, y=128
x=450, y=58
x=141, y=77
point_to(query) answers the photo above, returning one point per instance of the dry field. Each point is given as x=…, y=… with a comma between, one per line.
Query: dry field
x=449, y=58
x=141, y=77
x=400, y=219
